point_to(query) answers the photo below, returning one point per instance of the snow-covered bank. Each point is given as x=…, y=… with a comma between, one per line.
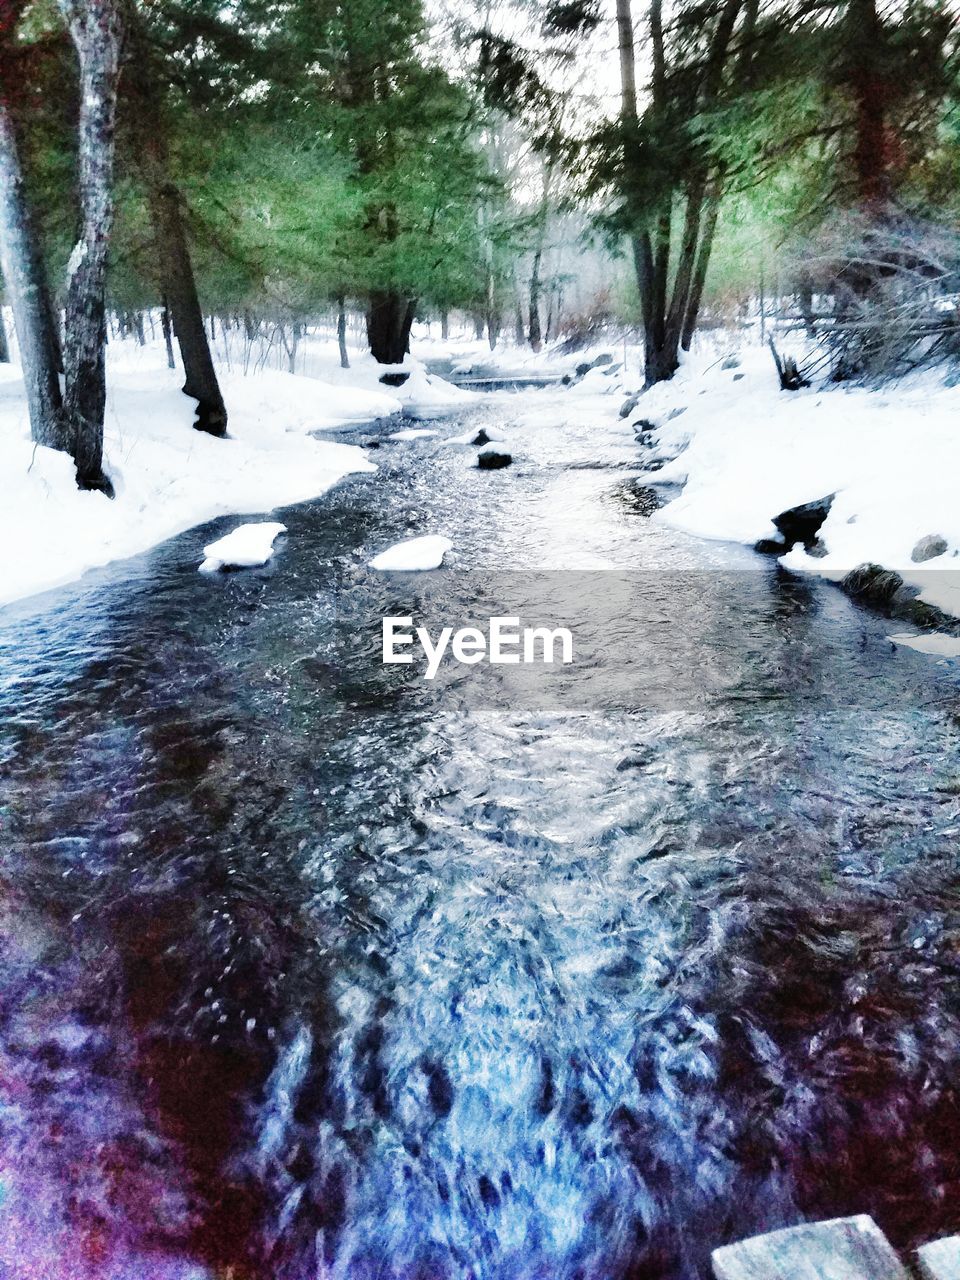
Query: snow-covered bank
x=167, y=476
x=745, y=451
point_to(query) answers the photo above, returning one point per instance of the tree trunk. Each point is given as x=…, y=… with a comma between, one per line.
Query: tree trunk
x=444, y=325
x=293, y=346
x=200, y=381
x=871, y=92
x=389, y=320
x=493, y=329
x=96, y=30
x=536, y=336
x=342, y=332
x=4, y=345
x=167, y=334
x=26, y=289
x=700, y=272
x=173, y=264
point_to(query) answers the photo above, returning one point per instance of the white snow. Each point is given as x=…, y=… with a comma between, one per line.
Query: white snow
x=747, y=451
x=168, y=477
x=469, y=437
x=245, y=547
x=412, y=433
x=425, y=396
x=413, y=555
x=936, y=642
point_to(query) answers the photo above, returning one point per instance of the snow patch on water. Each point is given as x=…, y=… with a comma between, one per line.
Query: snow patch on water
x=245, y=547
x=416, y=554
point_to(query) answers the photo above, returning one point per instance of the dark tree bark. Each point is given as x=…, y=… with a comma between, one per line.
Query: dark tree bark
x=444, y=324
x=174, y=267
x=389, y=321
x=871, y=158
x=342, y=332
x=181, y=291
x=53, y=318
x=707, y=234
x=670, y=308
x=96, y=30
x=26, y=287
x=167, y=334
x=493, y=327
x=535, y=333
x=4, y=345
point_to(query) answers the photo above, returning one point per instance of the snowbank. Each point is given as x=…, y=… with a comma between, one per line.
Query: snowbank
x=425, y=396
x=744, y=451
x=414, y=555
x=245, y=547
x=167, y=476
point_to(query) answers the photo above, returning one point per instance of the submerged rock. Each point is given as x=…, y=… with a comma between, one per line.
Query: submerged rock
x=885, y=590
x=802, y=523
x=493, y=460
x=872, y=584
x=928, y=548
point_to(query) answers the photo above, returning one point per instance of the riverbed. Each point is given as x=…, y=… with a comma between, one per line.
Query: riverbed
x=313, y=969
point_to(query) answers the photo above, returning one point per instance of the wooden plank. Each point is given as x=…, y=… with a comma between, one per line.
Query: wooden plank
x=839, y=1249
x=940, y=1260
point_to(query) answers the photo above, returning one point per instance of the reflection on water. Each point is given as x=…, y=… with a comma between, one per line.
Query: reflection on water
x=310, y=971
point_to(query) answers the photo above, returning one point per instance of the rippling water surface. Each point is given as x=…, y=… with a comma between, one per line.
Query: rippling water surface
x=308, y=971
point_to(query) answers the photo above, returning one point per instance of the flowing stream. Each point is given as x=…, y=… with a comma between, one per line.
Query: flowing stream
x=310, y=971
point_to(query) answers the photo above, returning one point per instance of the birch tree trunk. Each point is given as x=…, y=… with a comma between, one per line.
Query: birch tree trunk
x=96, y=30
x=26, y=290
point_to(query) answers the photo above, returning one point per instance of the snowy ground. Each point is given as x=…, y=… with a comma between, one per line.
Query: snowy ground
x=745, y=451
x=169, y=477
x=741, y=449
